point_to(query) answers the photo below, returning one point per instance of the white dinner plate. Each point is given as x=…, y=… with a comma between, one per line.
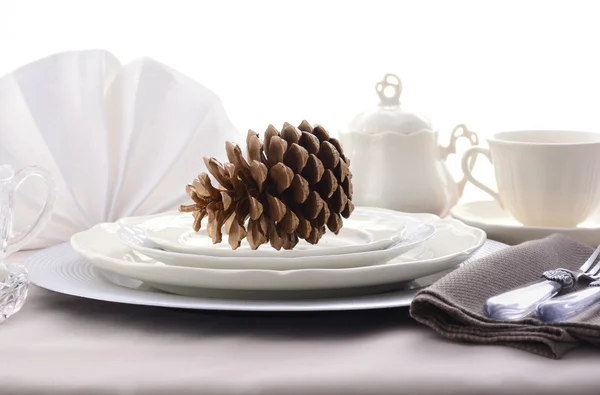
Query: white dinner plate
x=61, y=269
x=418, y=228
x=366, y=230
x=501, y=226
x=452, y=243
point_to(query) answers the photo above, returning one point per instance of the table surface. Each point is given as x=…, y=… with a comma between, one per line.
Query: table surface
x=61, y=344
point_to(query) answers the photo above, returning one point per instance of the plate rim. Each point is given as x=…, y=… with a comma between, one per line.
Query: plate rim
x=395, y=235
x=376, y=257
x=195, y=303
x=224, y=276
x=516, y=233
x=289, y=254
x=457, y=212
x=481, y=239
x=285, y=308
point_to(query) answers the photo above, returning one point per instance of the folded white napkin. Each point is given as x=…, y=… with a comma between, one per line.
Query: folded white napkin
x=118, y=140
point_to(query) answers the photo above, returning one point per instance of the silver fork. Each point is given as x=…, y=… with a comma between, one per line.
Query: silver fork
x=518, y=303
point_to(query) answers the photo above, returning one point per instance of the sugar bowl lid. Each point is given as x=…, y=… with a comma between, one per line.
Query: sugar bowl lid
x=388, y=116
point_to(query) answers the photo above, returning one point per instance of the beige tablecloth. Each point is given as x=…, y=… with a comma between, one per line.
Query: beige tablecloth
x=64, y=345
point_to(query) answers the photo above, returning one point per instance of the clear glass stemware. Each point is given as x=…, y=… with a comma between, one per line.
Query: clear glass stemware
x=14, y=280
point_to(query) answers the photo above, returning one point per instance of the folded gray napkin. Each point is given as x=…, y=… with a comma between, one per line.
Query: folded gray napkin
x=453, y=306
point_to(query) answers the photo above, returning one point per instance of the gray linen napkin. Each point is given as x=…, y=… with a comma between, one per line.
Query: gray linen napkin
x=453, y=306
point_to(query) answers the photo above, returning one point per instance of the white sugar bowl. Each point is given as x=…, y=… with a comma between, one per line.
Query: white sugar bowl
x=396, y=160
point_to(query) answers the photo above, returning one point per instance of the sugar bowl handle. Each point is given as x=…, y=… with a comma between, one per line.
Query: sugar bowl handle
x=18, y=241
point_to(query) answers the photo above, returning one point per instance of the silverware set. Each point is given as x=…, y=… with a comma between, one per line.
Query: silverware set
x=541, y=296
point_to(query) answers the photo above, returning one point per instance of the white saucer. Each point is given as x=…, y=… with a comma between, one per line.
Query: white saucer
x=501, y=226
x=61, y=269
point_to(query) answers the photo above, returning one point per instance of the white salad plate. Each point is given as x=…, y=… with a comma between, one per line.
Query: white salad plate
x=366, y=230
x=452, y=243
x=61, y=269
x=417, y=229
x=501, y=226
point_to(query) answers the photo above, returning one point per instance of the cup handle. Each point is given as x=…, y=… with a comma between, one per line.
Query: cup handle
x=472, y=152
x=458, y=132
x=18, y=241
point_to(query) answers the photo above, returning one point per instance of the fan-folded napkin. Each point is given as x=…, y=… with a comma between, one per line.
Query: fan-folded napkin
x=118, y=140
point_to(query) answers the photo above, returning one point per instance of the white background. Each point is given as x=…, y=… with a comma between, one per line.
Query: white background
x=490, y=64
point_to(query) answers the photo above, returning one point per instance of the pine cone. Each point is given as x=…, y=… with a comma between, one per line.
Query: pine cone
x=294, y=186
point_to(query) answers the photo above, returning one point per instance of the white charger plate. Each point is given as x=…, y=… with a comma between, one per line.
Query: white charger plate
x=452, y=243
x=61, y=269
x=366, y=230
x=418, y=229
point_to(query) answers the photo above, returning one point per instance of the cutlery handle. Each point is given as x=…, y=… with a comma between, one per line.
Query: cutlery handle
x=518, y=303
x=564, y=307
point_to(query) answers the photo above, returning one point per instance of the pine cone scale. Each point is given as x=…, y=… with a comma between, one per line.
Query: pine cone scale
x=256, y=208
x=259, y=172
x=300, y=189
x=290, y=134
x=282, y=176
x=310, y=142
x=276, y=208
x=313, y=170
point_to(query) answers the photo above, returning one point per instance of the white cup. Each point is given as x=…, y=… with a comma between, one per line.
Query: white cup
x=545, y=178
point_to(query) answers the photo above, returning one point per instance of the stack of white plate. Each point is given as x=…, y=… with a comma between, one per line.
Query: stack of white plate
x=160, y=260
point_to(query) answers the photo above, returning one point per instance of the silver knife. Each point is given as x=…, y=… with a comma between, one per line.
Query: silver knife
x=567, y=306
x=519, y=303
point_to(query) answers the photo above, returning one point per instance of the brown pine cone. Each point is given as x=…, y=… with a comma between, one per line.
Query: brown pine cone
x=294, y=186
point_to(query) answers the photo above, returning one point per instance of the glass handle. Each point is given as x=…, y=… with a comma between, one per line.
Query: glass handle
x=19, y=240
